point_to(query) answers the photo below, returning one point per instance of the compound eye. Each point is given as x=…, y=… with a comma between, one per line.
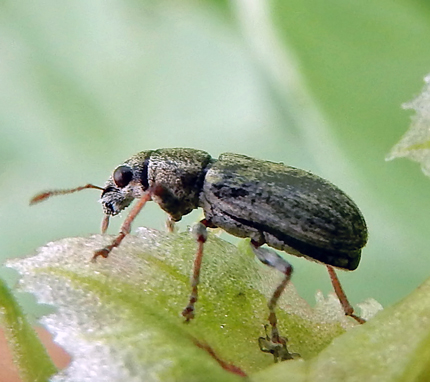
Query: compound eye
x=122, y=176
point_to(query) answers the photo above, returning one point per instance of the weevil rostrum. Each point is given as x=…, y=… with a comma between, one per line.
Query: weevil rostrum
x=284, y=207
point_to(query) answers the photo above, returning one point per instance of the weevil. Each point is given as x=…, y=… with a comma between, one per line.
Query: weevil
x=288, y=209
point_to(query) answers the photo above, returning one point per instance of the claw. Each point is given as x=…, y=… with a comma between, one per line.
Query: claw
x=276, y=346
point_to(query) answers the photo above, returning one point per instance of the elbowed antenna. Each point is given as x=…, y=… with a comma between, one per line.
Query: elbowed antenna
x=47, y=194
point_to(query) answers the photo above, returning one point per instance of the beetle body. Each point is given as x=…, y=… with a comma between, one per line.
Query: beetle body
x=287, y=208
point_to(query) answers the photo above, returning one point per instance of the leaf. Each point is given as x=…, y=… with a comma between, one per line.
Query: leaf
x=415, y=144
x=30, y=356
x=120, y=318
x=393, y=346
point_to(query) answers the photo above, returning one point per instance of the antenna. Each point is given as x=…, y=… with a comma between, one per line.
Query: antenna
x=47, y=194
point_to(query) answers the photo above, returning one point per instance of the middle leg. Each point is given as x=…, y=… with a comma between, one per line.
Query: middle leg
x=275, y=344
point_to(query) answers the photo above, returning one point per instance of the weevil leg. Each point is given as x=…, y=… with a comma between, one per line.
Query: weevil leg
x=170, y=224
x=200, y=233
x=280, y=351
x=125, y=228
x=347, y=307
x=105, y=223
x=272, y=259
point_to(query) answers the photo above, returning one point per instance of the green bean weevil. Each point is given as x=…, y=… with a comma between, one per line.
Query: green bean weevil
x=286, y=208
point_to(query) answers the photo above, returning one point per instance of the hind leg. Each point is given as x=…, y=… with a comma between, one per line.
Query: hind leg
x=347, y=308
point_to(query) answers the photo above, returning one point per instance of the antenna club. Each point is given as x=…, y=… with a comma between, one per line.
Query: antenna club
x=40, y=197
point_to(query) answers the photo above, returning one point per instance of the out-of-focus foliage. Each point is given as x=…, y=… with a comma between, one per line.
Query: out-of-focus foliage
x=29, y=355
x=415, y=144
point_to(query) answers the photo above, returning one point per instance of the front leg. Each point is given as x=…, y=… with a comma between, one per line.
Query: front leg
x=125, y=227
x=170, y=224
x=200, y=233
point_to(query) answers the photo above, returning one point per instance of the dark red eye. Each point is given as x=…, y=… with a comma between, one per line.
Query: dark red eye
x=122, y=176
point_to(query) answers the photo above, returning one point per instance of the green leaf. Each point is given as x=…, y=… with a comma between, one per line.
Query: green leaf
x=29, y=355
x=120, y=317
x=393, y=346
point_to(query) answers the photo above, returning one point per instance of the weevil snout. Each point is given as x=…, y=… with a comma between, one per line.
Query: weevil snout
x=120, y=190
x=115, y=199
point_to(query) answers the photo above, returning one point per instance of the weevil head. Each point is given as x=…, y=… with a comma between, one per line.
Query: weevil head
x=120, y=190
x=173, y=176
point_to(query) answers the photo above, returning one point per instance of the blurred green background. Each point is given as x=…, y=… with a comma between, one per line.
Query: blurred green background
x=315, y=84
